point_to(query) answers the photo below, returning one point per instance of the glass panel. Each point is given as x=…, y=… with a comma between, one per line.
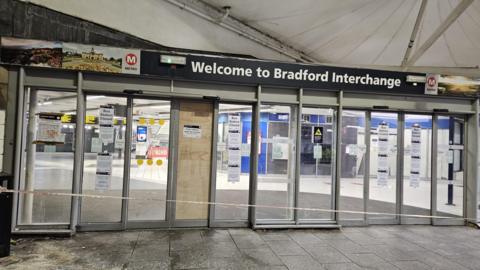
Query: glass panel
x=417, y=162
x=353, y=164
x=149, y=159
x=450, y=166
x=383, y=165
x=276, y=162
x=316, y=159
x=103, y=142
x=48, y=159
x=233, y=160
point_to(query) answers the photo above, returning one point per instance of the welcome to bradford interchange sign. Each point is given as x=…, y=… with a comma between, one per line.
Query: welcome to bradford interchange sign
x=74, y=56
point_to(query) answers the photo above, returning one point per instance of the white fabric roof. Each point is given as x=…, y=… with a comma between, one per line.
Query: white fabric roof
x=347, y=32
x=365, y=31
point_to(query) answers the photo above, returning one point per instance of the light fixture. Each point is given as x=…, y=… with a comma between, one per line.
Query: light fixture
x=415, y=79
x=94, y=97
x=44, y=103
x=173, y=60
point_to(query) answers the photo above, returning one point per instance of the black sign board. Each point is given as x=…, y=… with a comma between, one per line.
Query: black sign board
x=254, y=72
x=317, y=134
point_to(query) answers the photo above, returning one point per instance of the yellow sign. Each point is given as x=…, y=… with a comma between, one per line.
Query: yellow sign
x=152, y=121
x=159, y=162
x=141, y=121
x=161, y=122
x=149, y=162
x=318, y=132
x=116, y=121
x=66, y=118
x=139, y=162
x=89, y=119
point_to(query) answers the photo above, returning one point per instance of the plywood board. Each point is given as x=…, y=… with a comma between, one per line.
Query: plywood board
x=194, y=159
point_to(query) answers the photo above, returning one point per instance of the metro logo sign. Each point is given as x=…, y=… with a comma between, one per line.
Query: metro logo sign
x=431, y=84
x=131, y=61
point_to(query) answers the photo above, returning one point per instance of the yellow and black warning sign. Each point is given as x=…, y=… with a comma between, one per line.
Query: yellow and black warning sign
x=317, y=134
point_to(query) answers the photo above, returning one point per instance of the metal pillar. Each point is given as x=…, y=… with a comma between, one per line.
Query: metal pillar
x=254, y=158
x=78, y=155
x=451, y=134
x=30, y=158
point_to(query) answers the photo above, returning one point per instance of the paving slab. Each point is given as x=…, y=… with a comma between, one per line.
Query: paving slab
x=374, y=247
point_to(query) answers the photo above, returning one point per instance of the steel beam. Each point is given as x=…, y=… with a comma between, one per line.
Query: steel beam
x=224, y=19
x=456, y=12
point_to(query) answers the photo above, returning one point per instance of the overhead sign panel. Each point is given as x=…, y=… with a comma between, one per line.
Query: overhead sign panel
x=253, y=72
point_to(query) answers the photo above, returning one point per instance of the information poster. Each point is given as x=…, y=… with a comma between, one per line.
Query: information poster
x=103, y=174
x=106, y=134
x=106, y=116
x=105, y=123
x=415, y=156
x=382, y=166
x=234, y=147
x=102, y=181
x=280, y=148
x=104, y=163
x=49, y=129
x=96, y=145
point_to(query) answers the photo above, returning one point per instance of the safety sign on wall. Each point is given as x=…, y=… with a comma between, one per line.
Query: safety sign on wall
x=415, y=156
x=317, y=134
x=382, y=166
x=234, y=144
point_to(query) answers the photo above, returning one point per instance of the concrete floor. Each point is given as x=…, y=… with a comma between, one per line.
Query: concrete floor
x=375, y=247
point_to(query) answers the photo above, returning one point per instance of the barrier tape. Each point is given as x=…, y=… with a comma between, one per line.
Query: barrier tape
x=46, y=193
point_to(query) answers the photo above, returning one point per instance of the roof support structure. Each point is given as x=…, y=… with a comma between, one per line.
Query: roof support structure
x=222, y=18
x=416, y=27
x=456, y=12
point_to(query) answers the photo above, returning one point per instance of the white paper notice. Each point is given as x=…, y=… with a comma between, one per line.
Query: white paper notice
x=317, y=151
x=280, y=147
x=106, y=116
x=104, y=163
x=49, y=129
x=233, y=173
x=106, y=134
x=415, y=156
x=192, y=131
x=234, y=147
x=102, y=182
x=96, y=145
x=382, y=166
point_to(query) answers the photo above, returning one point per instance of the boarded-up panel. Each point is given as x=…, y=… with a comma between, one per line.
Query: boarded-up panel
x=194, y=159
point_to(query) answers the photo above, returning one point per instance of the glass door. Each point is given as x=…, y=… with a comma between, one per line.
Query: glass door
x=417, y=157
x=317, y=157
x=232, y=181
x=103, y=169
x=382, y=188
x=149, y=160
x=450, y=169
x=276, y=163
x=352, y=173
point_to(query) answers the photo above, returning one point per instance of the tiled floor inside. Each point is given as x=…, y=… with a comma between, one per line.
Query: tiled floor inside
x=374, y=247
